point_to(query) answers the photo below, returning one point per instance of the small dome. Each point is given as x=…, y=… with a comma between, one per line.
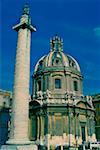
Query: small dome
x=56, y=57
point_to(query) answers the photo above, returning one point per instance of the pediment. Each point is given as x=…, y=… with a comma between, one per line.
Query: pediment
x=84, y=105
x=81, y=105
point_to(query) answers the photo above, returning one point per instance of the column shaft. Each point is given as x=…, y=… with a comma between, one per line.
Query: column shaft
x=20, y=106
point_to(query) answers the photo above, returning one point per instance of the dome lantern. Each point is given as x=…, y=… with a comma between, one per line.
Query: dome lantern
x=56, y=43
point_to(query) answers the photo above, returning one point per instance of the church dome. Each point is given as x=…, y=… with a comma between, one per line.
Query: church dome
x=56, y=58
x=57, y=72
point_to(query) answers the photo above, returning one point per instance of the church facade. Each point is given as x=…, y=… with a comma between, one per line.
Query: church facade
x=60, y=115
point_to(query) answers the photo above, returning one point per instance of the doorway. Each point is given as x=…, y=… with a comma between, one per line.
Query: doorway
x=83, y=133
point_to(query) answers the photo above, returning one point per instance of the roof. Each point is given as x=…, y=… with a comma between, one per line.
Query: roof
x=96, y=97
x=5, y=93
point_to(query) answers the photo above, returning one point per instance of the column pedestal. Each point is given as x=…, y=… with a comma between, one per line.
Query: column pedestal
x=19, y=147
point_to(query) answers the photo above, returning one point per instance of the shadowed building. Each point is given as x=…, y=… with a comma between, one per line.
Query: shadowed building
x=5, y=106
x=96, y=103
x=59, y=113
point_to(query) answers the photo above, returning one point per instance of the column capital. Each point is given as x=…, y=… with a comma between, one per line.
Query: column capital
x=23, y=26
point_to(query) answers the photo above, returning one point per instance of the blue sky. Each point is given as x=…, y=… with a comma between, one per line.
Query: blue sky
x=76, y=21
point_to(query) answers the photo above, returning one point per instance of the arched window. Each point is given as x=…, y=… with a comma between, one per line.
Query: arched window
x=57, y=61
x=75, y=84
x=57, y=83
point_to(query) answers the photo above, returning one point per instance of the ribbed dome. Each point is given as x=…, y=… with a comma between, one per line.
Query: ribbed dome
x=56, y=57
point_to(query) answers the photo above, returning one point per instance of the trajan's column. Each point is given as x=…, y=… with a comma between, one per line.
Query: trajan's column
x=20, y=110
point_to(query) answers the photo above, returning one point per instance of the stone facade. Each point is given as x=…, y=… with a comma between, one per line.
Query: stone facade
x=5, y=99
x=60, y=114
x=96, y=103
x=5, y=106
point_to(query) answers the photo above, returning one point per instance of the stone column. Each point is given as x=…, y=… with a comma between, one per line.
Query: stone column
x=88, y=127
x=68, y=82
x=42, y=130
x=93, y=137
x=38, y=128
x=47, y=135
x=71, y=129
x=20, y=107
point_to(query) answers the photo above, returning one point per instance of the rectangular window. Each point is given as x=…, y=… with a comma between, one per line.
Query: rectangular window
x=75, y=86
x=58, y=83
